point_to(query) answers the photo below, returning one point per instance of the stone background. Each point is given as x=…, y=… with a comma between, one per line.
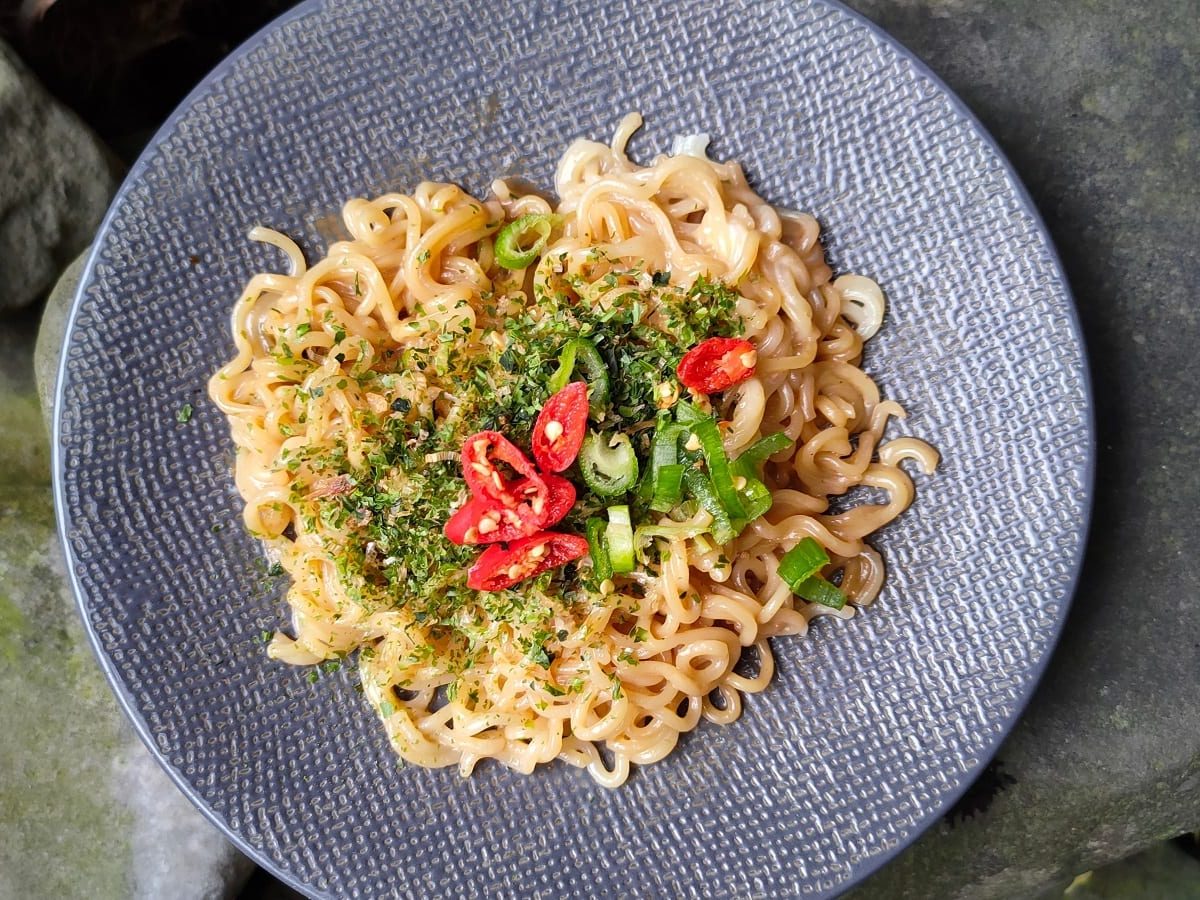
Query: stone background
x=1094, y=101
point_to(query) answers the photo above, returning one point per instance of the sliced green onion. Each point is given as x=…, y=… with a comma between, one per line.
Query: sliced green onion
x=799, y=568
x=802, y=562
x=756, y=500
x=756, y=497
x=706, y=431
x=685, y=510
x=680, y=530
x=580, y=353
x=664, y=451
x=665, y=448
x=818, y=590
x=608, y=464
x=667, y=488
x=645, y=533
x=510, y=253
x=619, y=536
x=598, y=548
x=750, y=462
x=687, y=413
x=699, y=486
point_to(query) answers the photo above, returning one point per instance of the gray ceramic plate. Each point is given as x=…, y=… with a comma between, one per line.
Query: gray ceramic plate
x=872, y=727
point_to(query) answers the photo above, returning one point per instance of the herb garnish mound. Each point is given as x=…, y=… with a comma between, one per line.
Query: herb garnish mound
x=382, y=519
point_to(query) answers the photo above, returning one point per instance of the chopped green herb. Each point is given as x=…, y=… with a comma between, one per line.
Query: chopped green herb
x=184, y=414
x=377, y=508
x=540, y=656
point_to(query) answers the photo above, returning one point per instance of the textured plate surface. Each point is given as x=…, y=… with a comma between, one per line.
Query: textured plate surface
x=871, y=728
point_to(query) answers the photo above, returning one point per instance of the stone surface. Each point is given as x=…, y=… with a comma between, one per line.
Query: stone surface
x=87, y=812
x=48, y=350
x=55, y=183
x=1164, y=871
x=1095, y=103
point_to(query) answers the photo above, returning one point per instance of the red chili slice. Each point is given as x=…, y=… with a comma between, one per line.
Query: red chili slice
x=499, y=568
x=542, y=502
x=717, y=364
x=560, y=497
x=480, y=454
x=485, y=521
x=561, y=425
x=464, y=527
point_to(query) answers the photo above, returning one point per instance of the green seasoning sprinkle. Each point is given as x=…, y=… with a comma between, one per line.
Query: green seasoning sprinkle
x=302, y=329
x=386, y=709
x=184, y=414
x=539, y=656
x=509, y=250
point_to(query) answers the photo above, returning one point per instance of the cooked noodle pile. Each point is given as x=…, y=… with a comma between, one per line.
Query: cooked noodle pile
x=348, y=401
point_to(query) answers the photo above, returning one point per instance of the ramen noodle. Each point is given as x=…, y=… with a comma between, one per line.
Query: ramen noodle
x=555, y=473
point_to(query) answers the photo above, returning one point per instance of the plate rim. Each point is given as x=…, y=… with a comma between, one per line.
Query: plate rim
x=870, y=865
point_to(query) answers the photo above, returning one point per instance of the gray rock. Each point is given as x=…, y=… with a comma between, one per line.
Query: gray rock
x=1164, y=871
x=87, y=812
x=55, y=183
x=48, y=351
x=1096, y=105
